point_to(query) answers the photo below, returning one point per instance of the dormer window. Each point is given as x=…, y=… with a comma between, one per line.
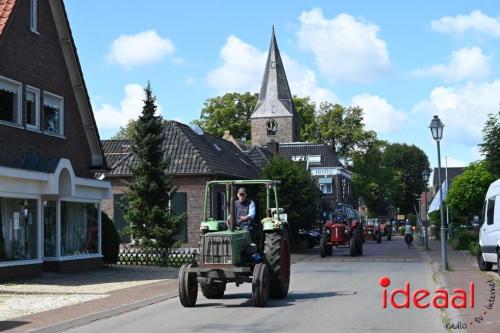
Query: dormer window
x=273, y=64
x=34, y=16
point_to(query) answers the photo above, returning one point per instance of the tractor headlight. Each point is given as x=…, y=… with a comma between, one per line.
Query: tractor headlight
x=327, y=231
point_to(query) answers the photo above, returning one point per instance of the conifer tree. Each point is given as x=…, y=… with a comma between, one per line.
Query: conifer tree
x=146, y=204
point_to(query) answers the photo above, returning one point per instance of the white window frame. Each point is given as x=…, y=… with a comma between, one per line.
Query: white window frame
x=34, y=16
x=35, y=91
x=19, y=89
x=39, y=235
x=61, y=115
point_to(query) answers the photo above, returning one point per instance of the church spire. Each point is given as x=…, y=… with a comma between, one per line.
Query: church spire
x=275, y=98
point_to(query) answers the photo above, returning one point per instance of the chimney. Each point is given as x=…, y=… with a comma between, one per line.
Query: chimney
x=273, y=147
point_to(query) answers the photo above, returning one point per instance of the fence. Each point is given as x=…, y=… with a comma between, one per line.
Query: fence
x=155, y=256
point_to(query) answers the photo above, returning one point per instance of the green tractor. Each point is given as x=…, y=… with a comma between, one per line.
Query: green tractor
x=230, y=255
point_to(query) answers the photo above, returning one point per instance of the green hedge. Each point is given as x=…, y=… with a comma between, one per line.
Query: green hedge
x=110, y=240
x=464, y=238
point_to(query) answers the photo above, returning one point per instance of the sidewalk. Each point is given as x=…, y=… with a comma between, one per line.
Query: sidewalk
x=121, y=290
x=463, y=270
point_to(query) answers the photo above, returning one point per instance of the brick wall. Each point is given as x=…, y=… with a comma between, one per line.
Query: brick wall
x=193, y=186
x=37, y=60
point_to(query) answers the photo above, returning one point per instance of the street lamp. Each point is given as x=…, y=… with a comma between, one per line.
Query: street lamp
x=426, y=175
x=436, y=127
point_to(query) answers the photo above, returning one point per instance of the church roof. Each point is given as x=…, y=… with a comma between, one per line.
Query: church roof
x=275, y=98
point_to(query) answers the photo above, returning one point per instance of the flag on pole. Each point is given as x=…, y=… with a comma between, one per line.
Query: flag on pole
x=435, y=204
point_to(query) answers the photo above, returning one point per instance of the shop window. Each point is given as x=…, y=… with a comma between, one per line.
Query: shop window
x=49, y=228
x=18, y=229
x=79, y=228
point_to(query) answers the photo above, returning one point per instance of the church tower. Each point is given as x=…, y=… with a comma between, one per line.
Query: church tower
x=274, y=117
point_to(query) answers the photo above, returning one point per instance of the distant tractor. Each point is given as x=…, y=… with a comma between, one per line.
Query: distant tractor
x=344, y=228
x=230, y=255
x=373, y=231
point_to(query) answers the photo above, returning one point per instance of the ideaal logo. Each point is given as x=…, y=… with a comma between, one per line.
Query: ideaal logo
x=423, y=298
x=440, y=299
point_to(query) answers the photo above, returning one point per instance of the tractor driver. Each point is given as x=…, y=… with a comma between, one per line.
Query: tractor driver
x=245, y=211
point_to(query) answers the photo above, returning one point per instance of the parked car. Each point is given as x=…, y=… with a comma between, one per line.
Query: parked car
x=309, y=238
x=489, y=232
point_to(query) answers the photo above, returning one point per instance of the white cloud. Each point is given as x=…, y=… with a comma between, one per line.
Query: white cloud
x=475, y=21
x=345, y=48
x=463, y=109
x=468, y=63
x=141, y=49
x=243, y=66
x=452, y=162
x=379, y=115
x=112, y=117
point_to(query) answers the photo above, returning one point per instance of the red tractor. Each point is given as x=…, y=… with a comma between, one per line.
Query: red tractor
x=373, y=231
x=343, y=228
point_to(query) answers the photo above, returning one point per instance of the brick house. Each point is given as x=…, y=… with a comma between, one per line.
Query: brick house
x=49, y=198
x=195, y=158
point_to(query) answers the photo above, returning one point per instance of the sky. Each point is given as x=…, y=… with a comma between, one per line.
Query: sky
x=401, y=61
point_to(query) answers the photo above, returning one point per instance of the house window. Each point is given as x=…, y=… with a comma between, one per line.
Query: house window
x=53, y=114
x=10, y=101
x=79, y=228
x=32, y=108
x=326, y=188
x=18, y=229
x=34, y=16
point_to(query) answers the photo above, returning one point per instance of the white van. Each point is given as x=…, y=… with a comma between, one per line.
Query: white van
x=489, y=232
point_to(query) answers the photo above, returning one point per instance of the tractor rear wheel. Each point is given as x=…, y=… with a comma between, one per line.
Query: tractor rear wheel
x=214, y=290
x=260, y=285
x=322, y=247
x=277, y=257
x=353, y=251
x=188, y=286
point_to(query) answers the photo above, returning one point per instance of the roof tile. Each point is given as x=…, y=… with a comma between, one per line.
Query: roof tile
x=6, y=9
x=189, y=153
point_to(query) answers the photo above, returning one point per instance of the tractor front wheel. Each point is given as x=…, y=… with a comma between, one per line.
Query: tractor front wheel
x=188, y=286
x=277, y=257
x=214, y=290
x=260, y=285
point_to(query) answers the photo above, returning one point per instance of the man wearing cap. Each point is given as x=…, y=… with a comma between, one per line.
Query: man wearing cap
x=244, y=209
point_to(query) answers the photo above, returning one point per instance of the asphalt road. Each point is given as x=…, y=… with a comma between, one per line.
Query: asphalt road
x=334, y=294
